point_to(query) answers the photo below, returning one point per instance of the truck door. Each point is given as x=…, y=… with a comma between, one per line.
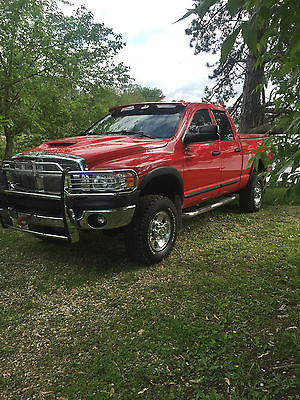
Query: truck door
x=202, y=164
x=231, y=153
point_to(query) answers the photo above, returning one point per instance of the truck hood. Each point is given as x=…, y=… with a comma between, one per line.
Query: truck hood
x=100, y=148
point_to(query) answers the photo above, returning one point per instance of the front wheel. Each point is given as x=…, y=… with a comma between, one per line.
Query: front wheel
x=252, y=196
x=152, y=233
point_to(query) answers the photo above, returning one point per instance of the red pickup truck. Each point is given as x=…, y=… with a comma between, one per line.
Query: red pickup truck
x=141, y=169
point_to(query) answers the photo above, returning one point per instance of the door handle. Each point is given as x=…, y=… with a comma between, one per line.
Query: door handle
x=216, y=153
x=238, y=149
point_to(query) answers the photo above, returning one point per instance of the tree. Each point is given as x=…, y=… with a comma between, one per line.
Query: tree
x=88, y=107
x=41, y=48
x=221, y=26
x=279, y=49
x=267, y=32
x=216, y=23
x=50, y=112
x=135, y=93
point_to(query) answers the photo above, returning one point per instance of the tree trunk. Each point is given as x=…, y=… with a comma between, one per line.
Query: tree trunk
x=252, y=114
x=9, y=143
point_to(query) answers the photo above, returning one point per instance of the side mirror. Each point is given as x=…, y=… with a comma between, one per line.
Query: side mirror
x=207, y=133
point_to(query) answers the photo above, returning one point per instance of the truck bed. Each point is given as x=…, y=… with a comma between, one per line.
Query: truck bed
x=251, y=136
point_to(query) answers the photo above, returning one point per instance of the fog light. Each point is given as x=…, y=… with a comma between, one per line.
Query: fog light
x=101, y=220
x=96, y=221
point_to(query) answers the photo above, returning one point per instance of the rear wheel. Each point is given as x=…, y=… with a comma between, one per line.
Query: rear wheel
x=152, y=233
x=252, y=196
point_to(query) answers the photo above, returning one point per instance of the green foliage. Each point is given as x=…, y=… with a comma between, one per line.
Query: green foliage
x=204, y=6
x=280, y=195
x=286, y=163
x=227, y=45
x=270, y=30
x=212, y=25
x=234, y=6
x=219, y=26
x=279, y=49
x=57, y=73
x=46, y=59
x=56, y=115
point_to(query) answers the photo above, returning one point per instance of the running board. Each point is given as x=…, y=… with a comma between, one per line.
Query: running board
x=201, y=210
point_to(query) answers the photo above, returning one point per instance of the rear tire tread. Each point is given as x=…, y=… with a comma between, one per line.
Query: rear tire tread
x=246, y=196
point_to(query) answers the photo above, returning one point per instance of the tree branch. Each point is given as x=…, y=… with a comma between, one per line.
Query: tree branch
x=23, y=79
x=277, y=111
x=233, y=109
x=265, y=128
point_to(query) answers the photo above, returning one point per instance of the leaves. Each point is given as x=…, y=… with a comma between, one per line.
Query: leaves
x=266, y=33
x=250, y=34
x=186, y=15
x=228, y=44
x=204, y=7
x=234, y=6
x=47, y=57
x=201, y=10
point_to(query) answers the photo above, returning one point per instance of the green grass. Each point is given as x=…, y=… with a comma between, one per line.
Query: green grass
x=216, y=320
x=278, y=196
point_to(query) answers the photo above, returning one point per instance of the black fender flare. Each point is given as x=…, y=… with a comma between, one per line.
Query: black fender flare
x=252, y=171
x=163, y=171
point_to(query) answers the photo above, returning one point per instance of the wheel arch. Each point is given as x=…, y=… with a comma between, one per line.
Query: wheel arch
x=260, y=168
x=165, y=181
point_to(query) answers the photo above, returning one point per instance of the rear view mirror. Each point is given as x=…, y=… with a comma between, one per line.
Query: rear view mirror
x=206, y=133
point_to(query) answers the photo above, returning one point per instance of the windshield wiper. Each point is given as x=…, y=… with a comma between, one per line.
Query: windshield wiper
x=124, y=132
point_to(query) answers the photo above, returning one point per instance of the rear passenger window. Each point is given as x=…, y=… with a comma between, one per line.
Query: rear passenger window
x=225, y=129
x=201, y=118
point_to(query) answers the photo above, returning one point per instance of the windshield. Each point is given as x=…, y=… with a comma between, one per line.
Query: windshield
x=143, y=120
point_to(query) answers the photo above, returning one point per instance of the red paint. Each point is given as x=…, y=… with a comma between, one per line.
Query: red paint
x=199, y=169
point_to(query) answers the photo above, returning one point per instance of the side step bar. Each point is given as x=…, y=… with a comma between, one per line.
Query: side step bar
x=201, y=210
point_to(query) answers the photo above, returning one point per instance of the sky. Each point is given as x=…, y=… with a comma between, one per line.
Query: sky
x=157, y=50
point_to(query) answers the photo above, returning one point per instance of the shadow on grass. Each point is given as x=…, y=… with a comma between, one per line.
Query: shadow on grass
x=59, y=263
x=101, y=253
x=94, y=251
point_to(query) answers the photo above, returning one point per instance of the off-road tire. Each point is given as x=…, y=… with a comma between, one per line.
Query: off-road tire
x=152, y=233
x=251, y=197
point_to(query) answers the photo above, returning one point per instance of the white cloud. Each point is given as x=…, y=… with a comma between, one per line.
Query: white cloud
x=157, y=50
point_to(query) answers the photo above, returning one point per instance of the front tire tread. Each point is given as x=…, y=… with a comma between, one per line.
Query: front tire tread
x=136, y=235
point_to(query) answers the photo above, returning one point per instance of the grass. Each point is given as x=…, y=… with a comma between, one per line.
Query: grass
x=216, y=320
x=278, y=196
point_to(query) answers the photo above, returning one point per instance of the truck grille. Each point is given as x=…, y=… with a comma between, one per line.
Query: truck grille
x=39, y=172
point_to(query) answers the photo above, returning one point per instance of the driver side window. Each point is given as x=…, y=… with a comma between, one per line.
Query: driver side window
x=201, y=118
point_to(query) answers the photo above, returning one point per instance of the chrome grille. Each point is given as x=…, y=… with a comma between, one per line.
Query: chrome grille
x=39, y=173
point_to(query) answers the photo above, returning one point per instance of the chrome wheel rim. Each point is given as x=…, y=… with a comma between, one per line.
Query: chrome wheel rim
x=160, y=230
x=258, y=192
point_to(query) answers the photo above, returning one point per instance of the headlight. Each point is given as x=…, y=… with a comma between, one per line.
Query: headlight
x=102, y=181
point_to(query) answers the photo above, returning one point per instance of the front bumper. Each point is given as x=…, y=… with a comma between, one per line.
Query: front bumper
x=63, y=217
x=56, y=228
